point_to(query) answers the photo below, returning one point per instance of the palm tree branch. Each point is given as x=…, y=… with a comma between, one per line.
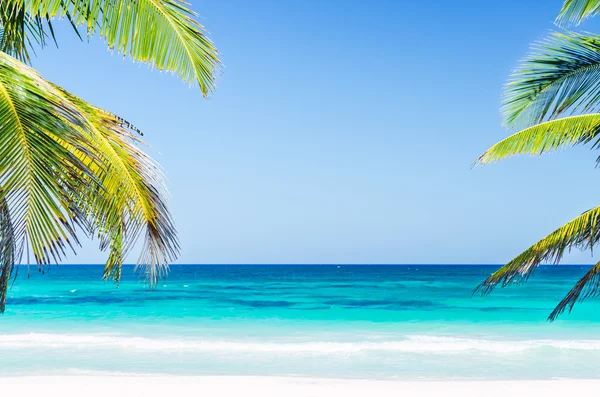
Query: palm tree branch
x=588, y=286
x=559, y=77
x=575, y=11
x=134, y=193
x=38, y=174
x=582, y=232
x=161, y=33
x=19, y=29
x=544, y=137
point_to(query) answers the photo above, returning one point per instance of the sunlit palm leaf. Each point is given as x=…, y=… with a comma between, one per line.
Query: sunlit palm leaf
x=65, y=163
x=13, y=39
x=560, y=77
x=588, y=286
x=132, y=200
x=162, y=33
x=582, y=232
x=575, y=11
x=18, y=29
x=38, y=175
x=544, y=137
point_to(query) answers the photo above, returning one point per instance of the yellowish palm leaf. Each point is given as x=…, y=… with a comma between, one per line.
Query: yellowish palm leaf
x=582, y=232
x=575, y=11
x=544, y=137
x=161, y=33
x=588, y=286
x=132, y=198
x=65, y=166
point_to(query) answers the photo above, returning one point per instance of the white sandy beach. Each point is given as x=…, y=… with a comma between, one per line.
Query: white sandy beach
x=175, y=386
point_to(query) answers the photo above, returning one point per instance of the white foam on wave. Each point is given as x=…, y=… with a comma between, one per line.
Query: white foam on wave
x=411, y=344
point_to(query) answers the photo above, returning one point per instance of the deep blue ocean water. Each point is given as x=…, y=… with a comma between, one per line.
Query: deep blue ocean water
x=347, y=321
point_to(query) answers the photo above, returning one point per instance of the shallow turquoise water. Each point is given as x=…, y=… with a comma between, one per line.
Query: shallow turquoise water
x=389, y=322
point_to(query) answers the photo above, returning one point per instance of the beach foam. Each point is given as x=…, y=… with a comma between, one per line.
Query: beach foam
x=411, y=344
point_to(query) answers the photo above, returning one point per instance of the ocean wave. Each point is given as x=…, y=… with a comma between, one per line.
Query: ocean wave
x=410, y=344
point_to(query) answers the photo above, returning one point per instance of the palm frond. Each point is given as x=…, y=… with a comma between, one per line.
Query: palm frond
x=40, y=177
x=18, y=29
x=575, y=11
x=548, y=96
x=559, y=78
x=544, y=137
x=7, y=251
x=161, y=33
x=582, y=232
x=588, y=286
x=132, y=198
x=12, y=29
x=67, y=166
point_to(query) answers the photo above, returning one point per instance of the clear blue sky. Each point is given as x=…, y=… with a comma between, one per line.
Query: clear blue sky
x=343, y=132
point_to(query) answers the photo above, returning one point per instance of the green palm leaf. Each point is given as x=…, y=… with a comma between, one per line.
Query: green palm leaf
x=8, y=255
x=13, y=22
x=549, y=96
x=588, y=286
x=582, y=232
x=162, y=33
x=65, y=166
x=38, y=174
x=559, y=78
x=132, y=198
x=544, y=137
x=575, y=11
x=19, y=30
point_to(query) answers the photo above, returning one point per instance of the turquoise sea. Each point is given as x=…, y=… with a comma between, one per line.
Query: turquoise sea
x=346, y=321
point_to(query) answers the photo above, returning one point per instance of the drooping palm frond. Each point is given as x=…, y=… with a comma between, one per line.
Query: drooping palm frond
x=18, y=29
x=65, y=166
x=561, y=77
x=575, y=11
x=582, y=232
x=588, y=286
x=39, y=176
x=548, y=96
x=132, y=198
x=162, y=33
x=8, y=254
x=544, y=137
x=12, y=30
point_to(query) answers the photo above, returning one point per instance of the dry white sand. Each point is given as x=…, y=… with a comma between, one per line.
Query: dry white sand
x=241, y=386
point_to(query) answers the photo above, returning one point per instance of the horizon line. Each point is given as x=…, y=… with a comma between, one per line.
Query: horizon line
x=314, y=264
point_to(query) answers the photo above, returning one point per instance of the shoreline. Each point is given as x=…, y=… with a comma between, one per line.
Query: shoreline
x=267, y=386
